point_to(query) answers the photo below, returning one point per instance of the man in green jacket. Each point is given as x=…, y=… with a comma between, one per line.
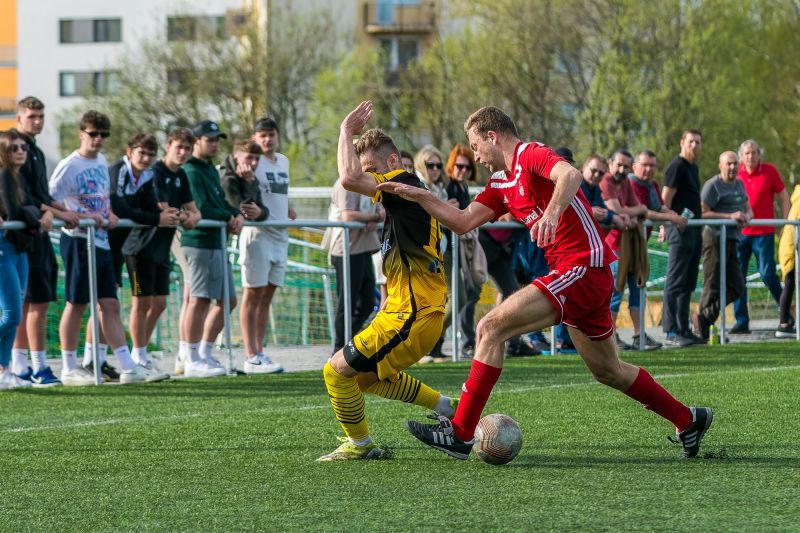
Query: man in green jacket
x=205, y=253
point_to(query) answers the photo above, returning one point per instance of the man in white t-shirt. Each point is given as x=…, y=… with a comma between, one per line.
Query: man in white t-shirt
x=263, y=251
x=81, y=182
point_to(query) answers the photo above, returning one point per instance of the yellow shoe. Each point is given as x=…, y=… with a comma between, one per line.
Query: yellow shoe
x=348, y=451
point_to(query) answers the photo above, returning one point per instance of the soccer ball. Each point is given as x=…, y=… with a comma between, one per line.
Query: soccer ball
x=498, y=439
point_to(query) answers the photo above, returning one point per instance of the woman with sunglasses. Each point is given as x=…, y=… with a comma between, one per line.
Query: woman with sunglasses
x=13, y=250
x=461, y=170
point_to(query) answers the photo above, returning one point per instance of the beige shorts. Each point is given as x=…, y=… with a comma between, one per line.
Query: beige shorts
x=263, y=260
x=377, y=263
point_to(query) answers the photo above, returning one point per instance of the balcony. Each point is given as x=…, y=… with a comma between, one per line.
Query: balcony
x=393, y=17
x=8, y=106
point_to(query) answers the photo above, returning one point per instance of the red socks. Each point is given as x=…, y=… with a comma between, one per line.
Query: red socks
x=653, y=396
x=474, y=395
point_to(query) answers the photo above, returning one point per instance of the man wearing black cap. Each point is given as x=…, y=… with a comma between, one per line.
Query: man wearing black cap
x=205, y=253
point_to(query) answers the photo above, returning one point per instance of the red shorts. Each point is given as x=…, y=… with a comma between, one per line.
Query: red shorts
x=583, y=296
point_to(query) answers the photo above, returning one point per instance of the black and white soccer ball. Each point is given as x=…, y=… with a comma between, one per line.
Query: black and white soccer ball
x=498, y=439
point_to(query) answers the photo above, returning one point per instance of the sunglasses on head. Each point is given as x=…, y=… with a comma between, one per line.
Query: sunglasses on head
x=19, y=147
x=431, y=166
x=105, y=134
x=459, y=166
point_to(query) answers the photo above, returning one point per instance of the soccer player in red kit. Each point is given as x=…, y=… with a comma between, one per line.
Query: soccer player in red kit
x=542, y=191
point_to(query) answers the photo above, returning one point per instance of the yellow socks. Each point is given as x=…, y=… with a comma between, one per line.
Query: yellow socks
x=347, y=401
x=407, y=389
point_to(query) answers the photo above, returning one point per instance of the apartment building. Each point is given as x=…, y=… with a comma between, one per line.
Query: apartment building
x=62, y=51
x=8, y=63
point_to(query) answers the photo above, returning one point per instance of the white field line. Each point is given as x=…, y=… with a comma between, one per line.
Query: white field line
x=132, y=420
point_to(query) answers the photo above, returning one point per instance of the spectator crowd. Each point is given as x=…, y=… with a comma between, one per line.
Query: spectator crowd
x=168, y=196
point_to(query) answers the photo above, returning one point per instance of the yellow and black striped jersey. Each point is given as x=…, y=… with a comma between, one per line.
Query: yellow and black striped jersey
x=412, y=259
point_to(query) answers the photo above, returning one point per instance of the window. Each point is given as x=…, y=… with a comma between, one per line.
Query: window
x=91, y=31
x=398, y=52
x=196, y=28
x=88, y=83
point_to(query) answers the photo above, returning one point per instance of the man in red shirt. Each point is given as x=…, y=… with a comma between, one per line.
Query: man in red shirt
x=541, y=190
x=619, y=196
x=762, y=181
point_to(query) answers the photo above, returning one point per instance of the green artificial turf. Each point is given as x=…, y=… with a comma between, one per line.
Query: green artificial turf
x=239, y=454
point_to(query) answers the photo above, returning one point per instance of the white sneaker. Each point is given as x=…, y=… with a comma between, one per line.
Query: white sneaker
x=179, y=365
x=213, y=362
x=201, y=369
x=142, y=374
x=261, y=364
x=9, y=381
x=79, y=377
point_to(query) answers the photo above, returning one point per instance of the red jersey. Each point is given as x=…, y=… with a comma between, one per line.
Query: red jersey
x=761, y=186
x=526, y=192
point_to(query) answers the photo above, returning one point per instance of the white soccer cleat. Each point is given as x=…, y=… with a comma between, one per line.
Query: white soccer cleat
x=148, y=373
x=261, y=364
x=201, y=369
x=79, y=377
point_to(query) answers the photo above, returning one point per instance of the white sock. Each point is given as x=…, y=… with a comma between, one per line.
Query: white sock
x=183, y=351
x=123, y=355
x=254, y=358
x=19, y=361
x=101, y=353
x=141, y=356
x=205, y=349
x=39, y=360
x=70, y=362
x=194, y=352
x=443, y=406
x=363, y=442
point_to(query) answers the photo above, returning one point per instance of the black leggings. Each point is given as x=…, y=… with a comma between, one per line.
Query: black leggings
x=498, y=261
x=785, y=303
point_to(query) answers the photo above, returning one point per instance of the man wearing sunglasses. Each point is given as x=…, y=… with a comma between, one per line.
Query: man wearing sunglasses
x=81, y=181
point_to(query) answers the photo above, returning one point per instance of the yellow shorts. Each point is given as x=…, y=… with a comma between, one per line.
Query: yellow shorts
x=393, y=342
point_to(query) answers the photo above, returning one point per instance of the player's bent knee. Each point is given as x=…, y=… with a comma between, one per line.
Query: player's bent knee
x=339, y=364
x=490, y=328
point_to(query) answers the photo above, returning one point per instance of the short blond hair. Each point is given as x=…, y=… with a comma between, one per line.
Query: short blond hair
x=376, y=140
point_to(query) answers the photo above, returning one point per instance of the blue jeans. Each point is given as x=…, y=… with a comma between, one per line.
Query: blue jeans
x=634, y=300
x=13, y=281
x=763, y=246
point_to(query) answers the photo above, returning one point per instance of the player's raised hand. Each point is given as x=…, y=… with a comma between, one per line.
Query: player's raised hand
x=543, y=231
x=355, y=121
x=407, y=192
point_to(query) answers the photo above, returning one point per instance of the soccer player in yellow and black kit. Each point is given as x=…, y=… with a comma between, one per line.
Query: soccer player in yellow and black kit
x=410, y=322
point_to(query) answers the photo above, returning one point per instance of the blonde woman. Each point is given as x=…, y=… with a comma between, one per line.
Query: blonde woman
x=429, y=165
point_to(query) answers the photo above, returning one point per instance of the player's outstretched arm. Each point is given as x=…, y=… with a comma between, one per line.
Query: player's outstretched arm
x=459, y=220
x=353, y=177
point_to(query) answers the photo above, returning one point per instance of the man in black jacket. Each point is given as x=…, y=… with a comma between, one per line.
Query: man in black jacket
x=43, y=268
x=133, y=196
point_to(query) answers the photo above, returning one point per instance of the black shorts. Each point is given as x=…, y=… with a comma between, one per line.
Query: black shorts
x=147, y=277
x=42, y=272
x=76, y=268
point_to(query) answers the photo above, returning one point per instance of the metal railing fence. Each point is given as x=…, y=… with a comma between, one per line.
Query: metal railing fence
x=89, y=224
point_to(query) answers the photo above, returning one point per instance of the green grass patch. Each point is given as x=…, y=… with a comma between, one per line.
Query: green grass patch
x=239, y=454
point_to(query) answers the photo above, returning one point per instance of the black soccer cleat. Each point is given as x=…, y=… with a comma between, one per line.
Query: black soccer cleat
x=690, y=437
x=441, y=437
